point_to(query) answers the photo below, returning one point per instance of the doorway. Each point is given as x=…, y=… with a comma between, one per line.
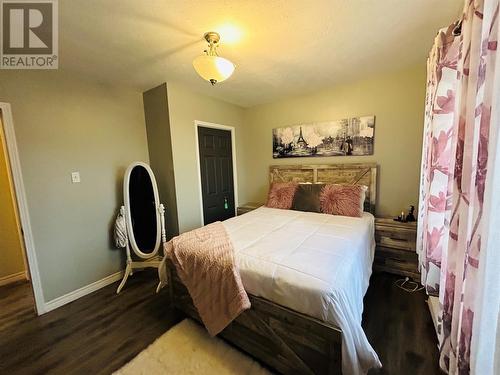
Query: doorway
x=216, y=158
x=16, y=296
x=16, y=238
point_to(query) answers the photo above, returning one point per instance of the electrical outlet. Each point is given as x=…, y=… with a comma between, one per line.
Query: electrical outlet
x=75, y=177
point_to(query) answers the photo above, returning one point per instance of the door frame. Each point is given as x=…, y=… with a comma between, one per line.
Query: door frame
x=22, y=205
x=204, y=124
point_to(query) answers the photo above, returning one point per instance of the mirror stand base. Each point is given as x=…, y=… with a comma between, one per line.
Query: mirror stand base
x=153, y=262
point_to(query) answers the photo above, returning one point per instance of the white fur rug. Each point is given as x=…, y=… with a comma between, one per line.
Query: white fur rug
x=188, y=349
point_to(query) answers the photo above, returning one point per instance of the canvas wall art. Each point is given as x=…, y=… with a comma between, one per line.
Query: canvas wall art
x=344, y=137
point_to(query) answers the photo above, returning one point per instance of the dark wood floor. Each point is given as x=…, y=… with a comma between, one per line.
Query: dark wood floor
x=99, y=333
x=96, y=334
x=16, y=305
x=399, y=327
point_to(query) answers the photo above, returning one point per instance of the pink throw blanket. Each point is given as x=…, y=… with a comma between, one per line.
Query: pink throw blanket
x=204, y=260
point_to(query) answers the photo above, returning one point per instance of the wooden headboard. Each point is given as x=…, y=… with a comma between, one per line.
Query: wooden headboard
x=353, y=174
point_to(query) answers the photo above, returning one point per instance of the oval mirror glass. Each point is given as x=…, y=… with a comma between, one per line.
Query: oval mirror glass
x=141, y=205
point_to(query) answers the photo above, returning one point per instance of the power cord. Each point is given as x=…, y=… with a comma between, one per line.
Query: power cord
x=408, y=285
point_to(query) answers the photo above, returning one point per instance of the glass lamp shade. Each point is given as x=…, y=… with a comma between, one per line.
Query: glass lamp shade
x=213, y=68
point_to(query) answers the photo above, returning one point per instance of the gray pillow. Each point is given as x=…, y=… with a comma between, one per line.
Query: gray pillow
x=306, y=198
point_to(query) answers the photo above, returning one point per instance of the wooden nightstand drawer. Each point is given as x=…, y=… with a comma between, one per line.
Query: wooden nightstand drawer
x=392, y=240
x=397, y=267
x=247, y=207
x=404, y=233
x=241, y=211
x=395, y=251
x=391, y=253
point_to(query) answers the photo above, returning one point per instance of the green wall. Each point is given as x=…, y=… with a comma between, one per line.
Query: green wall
x=156, y=114
x=64, y=124
x=185, y=107
x=397, y=101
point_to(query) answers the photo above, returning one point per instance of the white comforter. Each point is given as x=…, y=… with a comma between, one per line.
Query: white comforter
x=316, y=264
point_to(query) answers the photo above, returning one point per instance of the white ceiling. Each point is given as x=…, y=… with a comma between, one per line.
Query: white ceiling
x=287, y=47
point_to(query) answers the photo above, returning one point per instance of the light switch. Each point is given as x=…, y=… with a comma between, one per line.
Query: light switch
x=75, y=177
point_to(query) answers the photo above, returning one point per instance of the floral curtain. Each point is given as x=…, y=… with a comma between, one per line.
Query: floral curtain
x=461, y=68
x=435, y=205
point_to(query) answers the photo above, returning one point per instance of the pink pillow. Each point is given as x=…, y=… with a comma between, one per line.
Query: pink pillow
x=281, y=195
x=344, y=200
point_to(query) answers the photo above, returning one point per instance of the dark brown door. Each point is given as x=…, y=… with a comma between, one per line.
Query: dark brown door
x=216, y=164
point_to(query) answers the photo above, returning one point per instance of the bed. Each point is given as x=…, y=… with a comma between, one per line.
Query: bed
x=306, y=275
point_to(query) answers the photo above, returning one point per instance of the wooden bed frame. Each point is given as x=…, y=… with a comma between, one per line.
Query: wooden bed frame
x=283, y=339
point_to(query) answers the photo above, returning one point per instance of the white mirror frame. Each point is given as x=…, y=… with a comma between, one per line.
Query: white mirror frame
x=128, y=219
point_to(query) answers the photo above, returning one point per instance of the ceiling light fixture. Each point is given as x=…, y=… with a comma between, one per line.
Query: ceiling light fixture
x=211, y=66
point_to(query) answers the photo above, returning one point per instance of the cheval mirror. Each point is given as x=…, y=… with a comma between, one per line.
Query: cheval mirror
x=142, y=220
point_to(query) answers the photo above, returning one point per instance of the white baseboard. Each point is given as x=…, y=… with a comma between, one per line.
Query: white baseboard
x=83, y=291
x=13, y=278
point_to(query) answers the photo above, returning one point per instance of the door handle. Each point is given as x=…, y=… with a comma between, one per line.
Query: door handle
x=226, y=205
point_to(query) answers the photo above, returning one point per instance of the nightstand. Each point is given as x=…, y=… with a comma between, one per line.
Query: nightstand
x=395, y=251
x=247, y=207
